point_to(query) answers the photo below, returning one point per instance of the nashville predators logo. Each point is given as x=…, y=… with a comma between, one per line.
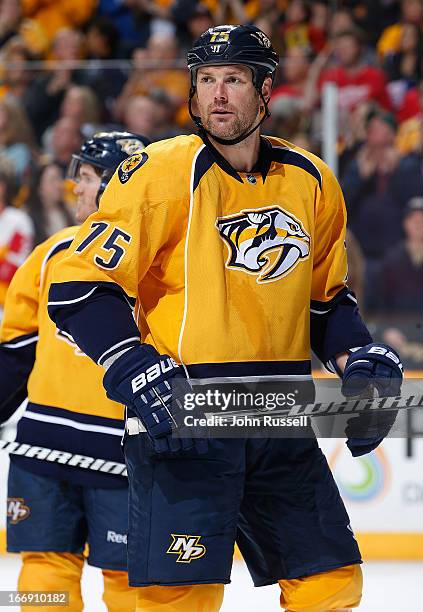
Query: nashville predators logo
x=186, y=547
x=267, y=242
x=262, y=38
x=130, y=145
x=65, y=337
x=128, y=167
x=16, y=510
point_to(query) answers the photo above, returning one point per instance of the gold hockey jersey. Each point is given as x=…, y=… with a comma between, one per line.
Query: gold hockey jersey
x=227, y=268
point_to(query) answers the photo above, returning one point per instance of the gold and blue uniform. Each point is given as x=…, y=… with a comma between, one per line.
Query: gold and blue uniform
x=67, y=408
x=240, y=260
x=236, y=276
x=55, y=508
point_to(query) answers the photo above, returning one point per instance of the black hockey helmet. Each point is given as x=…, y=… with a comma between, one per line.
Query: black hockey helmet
x=233, y=44
x=105, y=151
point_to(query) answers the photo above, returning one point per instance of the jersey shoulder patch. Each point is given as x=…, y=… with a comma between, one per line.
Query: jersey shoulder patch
x=130, y=165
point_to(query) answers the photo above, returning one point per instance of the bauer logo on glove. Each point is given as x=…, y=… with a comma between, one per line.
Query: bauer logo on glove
x=152, y=373
x=377, y=364
x=154, y=387
x=388, y=353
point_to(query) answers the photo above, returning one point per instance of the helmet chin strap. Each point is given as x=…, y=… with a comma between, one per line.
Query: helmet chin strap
x=228, y=141
x=98, y=195
x=102, y=187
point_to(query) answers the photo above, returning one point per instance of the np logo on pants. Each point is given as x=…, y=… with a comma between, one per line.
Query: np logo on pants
x=16, y=510
x=186, y=547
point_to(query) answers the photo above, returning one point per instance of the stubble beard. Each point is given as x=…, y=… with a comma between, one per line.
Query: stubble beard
x=239, y=124
x=230, y=130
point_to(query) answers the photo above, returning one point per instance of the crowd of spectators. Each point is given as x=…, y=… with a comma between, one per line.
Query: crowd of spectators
x=71, y=67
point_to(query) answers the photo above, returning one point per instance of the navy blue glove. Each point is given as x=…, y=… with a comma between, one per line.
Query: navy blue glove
x=378, y=366
x=140, y=379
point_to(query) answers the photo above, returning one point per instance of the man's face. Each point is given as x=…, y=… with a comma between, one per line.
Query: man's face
x=379, y=133
x=227, y=100
x=86, y=188
x=296, y=65
x=66, y=139
x=140, y=116
x=347, y=50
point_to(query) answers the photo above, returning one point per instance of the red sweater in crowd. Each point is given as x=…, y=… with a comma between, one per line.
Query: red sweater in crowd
x=366, y=83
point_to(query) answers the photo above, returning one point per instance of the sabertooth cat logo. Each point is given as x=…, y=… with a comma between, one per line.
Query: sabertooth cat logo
x=62, y=335
x=186, y=547
x=262, y=38
x=267, y=242
x=130, y=145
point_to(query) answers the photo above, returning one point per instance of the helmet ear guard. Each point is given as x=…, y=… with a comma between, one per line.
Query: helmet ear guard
x=227, y=45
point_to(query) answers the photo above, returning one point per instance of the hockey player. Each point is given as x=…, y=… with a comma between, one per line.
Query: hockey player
x=233, y=245
x=54, y=509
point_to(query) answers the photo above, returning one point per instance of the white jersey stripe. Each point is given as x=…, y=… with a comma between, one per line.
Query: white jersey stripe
x=16, y=345
x=45, y=418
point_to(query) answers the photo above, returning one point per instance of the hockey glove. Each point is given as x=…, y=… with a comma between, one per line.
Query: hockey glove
x=140, y=379
x=375, y=366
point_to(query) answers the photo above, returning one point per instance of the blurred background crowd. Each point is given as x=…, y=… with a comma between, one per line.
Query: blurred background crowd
x=69, y=68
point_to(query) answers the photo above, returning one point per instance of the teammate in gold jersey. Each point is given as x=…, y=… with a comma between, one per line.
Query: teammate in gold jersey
x=232, y=244
x=54, y=508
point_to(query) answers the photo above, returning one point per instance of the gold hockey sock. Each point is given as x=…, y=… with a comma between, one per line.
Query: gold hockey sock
x=51, y=571
x=191, y=598
x=118, y=595
x=337, y=590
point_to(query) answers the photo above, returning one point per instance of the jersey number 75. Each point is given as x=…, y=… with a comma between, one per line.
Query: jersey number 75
x=111, y=244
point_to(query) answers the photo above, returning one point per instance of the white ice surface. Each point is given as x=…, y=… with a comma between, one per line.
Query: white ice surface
x=389, y=587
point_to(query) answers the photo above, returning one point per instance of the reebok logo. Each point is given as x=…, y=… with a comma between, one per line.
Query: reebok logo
x=153, y=372
x=16, y=510
x=116, y=538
